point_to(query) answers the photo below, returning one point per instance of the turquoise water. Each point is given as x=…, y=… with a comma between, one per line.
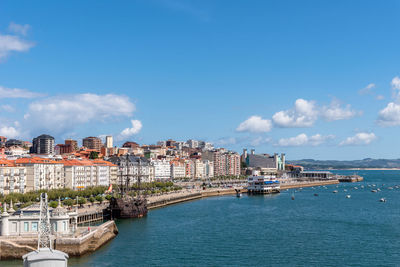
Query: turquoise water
x=272, y=230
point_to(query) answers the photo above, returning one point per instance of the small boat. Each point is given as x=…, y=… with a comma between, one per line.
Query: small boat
x=374, y=191
x=382, y=200
x=348, y=196
x=390, y=188
x=344, y=190
x=316, y=194
x=334, y=191
x=356, y=188
x=378, y=189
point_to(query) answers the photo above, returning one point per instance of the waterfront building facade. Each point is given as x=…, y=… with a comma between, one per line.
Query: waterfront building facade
x=25, y=222
x=42, y=173
x=265, y=161
x=178, y=169
x=132, y=168
x=162, y=169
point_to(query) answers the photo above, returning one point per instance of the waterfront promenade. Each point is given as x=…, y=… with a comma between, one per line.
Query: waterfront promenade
x=198, y=193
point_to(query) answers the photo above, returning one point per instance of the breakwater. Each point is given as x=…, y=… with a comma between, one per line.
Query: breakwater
x=161, y=201
x=308, y=184
x=87, y=241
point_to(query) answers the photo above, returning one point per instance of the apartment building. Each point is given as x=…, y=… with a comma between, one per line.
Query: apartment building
x=162, y=169
x=177, y=169
x=12, y=177
x=42, y=173
x=92, y=142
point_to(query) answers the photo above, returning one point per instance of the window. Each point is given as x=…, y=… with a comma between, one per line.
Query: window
x=34, y=226
x=55, y=227
x=26, y=226
x=65, y=226
x=14, y=227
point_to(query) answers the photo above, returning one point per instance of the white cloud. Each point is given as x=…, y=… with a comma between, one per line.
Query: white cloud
x=61, y=113
x=9, y=132
x=335, y=112
x=260, y=141
x=396, y=87
x=17, y=93
x=304, y=140
x=226, y=141
x=18, y=28
x=390, y=115
x=359, y=139
x=380, y=97
x=7, y=108
x=367, y=90
x=128, y=132
x=304, y=114
x=12, y=43
x=255, y=124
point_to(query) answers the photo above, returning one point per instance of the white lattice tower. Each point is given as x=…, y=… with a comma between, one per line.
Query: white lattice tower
x=44, y=239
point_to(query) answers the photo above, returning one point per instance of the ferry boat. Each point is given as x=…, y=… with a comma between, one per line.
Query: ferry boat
x=264, y=184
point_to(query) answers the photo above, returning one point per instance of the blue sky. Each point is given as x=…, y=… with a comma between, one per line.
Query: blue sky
x=314, y=79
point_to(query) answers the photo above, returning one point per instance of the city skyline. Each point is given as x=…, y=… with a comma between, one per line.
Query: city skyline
x=321, y=83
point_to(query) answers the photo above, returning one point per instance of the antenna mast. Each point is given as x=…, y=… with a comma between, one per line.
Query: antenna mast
x=44, y=239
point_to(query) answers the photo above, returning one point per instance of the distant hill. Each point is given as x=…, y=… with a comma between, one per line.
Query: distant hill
x=346, y=164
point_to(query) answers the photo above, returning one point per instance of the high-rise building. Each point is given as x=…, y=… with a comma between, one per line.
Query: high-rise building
x=43, y=144
x=109, y=141
x=92, y=142
x=72, y=143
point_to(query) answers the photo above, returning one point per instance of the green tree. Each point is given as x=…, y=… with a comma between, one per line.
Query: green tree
x=69, y=202
x=92, y=199
x=94, y=155
x=81, y=200
x=99, y=198
x=53, y=204
x=108, y=197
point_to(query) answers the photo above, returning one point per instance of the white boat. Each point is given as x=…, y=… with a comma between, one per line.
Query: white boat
x=264, y=184
x=348, y=196
x=382, y=200
x=334, y=191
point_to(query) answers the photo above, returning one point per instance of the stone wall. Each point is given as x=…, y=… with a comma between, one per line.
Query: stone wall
x=16, y=247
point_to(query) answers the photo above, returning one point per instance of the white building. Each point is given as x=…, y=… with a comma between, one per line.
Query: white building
x=192, y=143
x=82, y=173
x=198, y=169
x=208, y=169
x=177, y=170
x=162, y=169
x=12, y=178
x=25, y=222
x=109, y=141
x=42, y=173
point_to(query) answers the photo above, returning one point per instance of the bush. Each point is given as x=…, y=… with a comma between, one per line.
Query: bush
x=108, y=197
x=69, y=202
x=99, y=198
x=81, y=200
x=92, y=199
x=53, y=204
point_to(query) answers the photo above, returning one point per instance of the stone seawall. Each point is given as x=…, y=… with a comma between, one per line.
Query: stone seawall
x=16, y=247
x=308, y=184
